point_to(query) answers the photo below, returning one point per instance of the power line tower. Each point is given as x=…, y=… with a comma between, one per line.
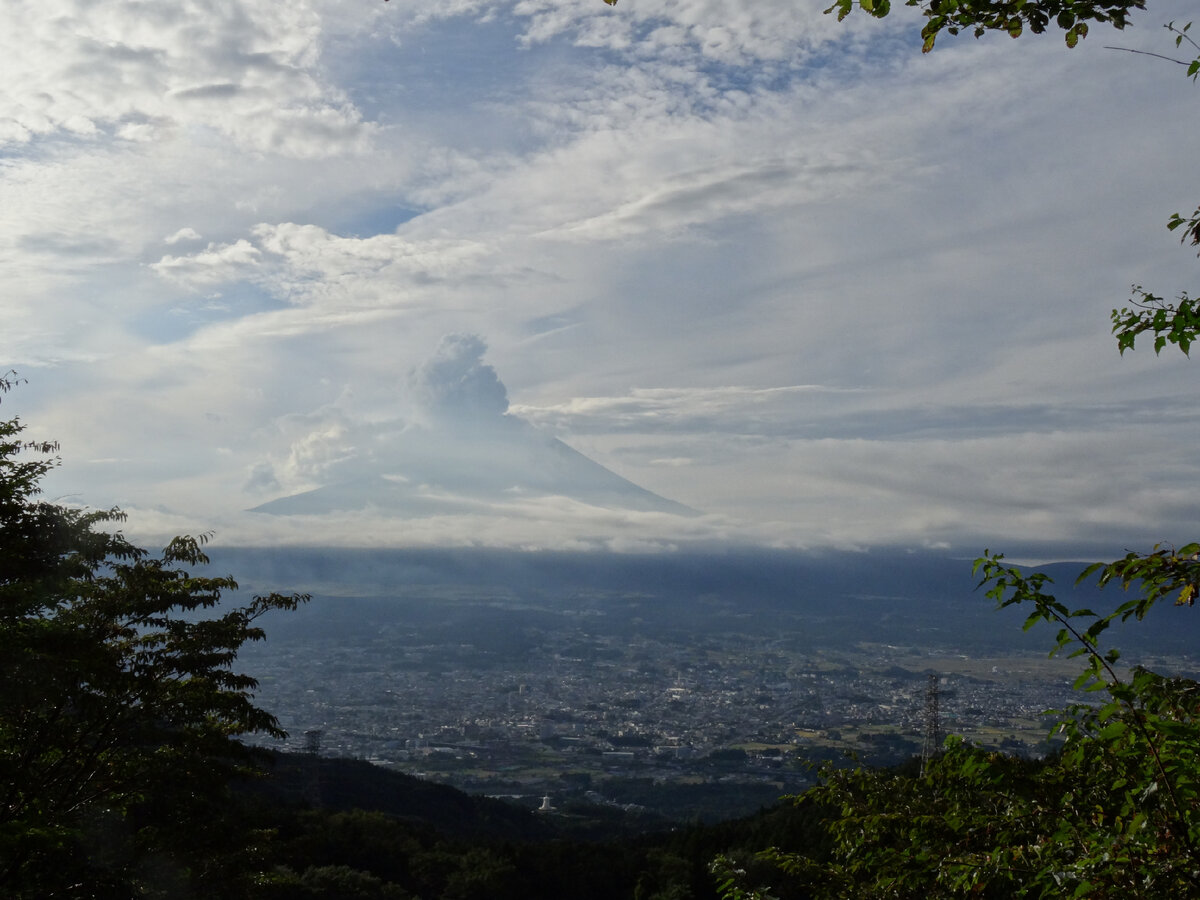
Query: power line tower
x=312, y=741
x=312, y=779
x=933, y=723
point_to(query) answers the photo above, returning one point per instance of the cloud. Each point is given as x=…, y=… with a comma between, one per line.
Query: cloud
x=314, y=448
x=216, y=264
x=452, y=389
x=731, y=409
x=733, y=188
x=261, y=479
x=237, y=69
x=325, y=452
x=183, y=234
x=455, y=383
x=547, y=523
x=458, y=454
x=725, y=31
x=818, y=412
x=308, y=266
x=71, y=246
x=765, y=264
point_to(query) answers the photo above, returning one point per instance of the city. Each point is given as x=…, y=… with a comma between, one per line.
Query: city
x=550, y=703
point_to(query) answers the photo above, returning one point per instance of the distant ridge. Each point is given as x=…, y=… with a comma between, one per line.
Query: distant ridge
x=892, y=596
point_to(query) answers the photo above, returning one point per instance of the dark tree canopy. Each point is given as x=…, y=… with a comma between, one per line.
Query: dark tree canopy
x=1116, y=811
x=119, y=711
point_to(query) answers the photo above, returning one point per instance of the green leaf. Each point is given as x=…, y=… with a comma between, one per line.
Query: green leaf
x=117, y=637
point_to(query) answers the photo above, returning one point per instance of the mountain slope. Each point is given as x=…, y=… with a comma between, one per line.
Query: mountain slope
x=427, y=471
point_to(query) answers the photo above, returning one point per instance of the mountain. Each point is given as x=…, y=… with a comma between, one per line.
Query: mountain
x=448, y=468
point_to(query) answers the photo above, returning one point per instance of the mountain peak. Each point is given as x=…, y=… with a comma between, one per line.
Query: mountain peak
x=462, y=467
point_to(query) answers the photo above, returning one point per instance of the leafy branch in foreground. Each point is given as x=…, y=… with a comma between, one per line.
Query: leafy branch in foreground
x=119, y=709
x=1115, y=810
x=1175, y=323
x=1009, y=16
x=1145, y=717
x=1193, y=70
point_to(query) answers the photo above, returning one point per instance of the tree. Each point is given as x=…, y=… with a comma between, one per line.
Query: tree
x=1011, y=16
x=1116, y=811
x=1176, y=322
x=119, y=711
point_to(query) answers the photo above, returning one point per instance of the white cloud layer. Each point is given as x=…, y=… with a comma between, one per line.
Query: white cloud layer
x=790, y=273
x=132, y=71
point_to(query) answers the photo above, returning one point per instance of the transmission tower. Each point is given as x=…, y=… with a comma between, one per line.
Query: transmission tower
x=933, y=723
x=312, y=740
x=312, y=777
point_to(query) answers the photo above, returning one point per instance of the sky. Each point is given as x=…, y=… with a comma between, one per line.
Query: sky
x=820, y=289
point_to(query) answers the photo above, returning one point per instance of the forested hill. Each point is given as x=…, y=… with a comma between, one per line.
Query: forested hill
x=340, y=785
x=378, y=834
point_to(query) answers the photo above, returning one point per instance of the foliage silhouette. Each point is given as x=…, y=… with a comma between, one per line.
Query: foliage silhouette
x=1117, y=810
x=1009, y=16
x=119, y=711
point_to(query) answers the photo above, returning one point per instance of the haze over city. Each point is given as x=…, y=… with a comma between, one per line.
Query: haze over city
x=784, y=282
